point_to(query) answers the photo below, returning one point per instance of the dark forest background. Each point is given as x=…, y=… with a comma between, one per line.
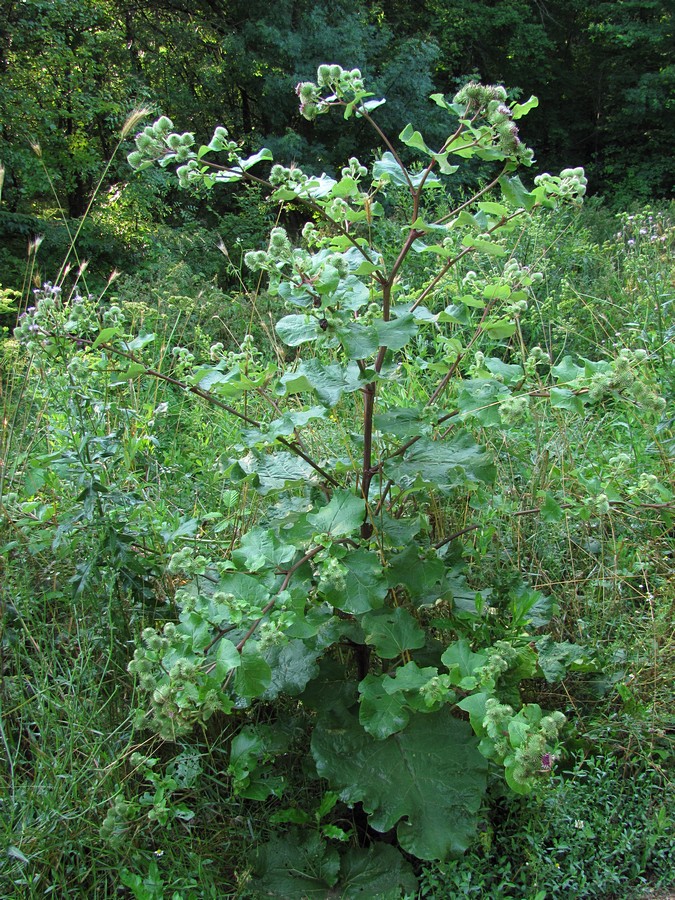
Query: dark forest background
x=71, y=71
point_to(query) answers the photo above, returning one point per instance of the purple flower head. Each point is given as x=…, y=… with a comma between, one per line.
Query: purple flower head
x=546, y=762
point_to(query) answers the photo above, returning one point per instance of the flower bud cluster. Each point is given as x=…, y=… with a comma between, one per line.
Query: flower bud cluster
x=598, y=505
x=184, y=361
x=342, y=82
x=514, y=410
x=570, y=185
x=517, y=275
x=116, y=823
x=623, y=378
x=184, y=562
x=535, y=358
x=331, y=574
x=475, y=97
x=51, y=315
x=158, y=143
x=354, y=169
x=522, y=744
x=501, y=657
x=437, y=691
x=220, y=141
x=167, y=667
x=284, y=176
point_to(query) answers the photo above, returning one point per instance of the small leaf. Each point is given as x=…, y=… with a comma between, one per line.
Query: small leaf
x=134, y=370
x=106, y=335
x=564, y=398
x=412, y=138
x=522, y=109
x=515, y=192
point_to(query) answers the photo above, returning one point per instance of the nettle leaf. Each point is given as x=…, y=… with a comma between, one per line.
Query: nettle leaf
x=392, y=631
x=341, y=516
x=445, y=465
x=429, y=778
x=365, y=585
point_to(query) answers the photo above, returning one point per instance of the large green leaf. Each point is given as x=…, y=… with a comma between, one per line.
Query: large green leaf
x=381, y=713
x=293, y=665
x=254, y=675
x=365, y=585
x=296, y=865
x=277, y=470
x=446, y=465
x=430, y=778
x=391, y=631
x=479, y=398
x=296, y=329
x=388, y=168
x=342, y=515
x=380, y=871
x=330, y=381
x=423, y=578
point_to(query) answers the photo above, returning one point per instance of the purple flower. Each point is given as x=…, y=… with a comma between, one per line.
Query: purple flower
x=546, y=762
